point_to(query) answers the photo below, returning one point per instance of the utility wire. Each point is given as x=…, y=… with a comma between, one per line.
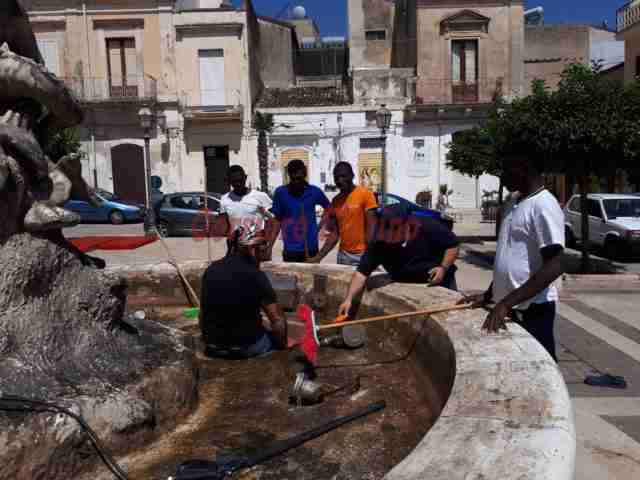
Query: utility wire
x=11, y=403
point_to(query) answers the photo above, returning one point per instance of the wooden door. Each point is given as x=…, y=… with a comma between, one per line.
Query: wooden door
x=127, y=162
x=216, y=161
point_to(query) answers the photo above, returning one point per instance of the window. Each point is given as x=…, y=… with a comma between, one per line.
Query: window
x=594, y=208
x=371, y=143
x=464, y=70
x=622, y=208
x=122, y=67
x=184, y=202
x=420, y=165
x=375, y=34
x=49, y=51
x=464, y=61
x=574, y=206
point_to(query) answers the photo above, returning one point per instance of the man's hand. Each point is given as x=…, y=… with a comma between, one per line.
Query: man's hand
x=344, y=308
x=497, y=318
x=436, y=275
x=477, y=301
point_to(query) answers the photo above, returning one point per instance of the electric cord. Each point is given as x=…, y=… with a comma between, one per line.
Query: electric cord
x=401, y=358
x=11, y=403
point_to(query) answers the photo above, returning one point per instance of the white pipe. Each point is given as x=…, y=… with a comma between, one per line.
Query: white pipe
x=90, y=71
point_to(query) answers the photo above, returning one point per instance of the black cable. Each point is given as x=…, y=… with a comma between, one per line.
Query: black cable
x=13, y=403
x=382, y=362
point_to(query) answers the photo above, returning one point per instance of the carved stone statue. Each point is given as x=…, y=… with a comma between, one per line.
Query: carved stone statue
x=64, y=333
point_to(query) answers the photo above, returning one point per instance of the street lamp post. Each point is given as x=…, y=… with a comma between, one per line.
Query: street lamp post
x=148, y=119
x=383, y=121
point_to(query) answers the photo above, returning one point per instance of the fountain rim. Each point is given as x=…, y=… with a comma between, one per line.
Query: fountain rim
x=508, y=415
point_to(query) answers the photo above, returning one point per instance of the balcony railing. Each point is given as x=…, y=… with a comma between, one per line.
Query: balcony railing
x=132, y=88
x=211, y=103
x=443, y=91
x=627, y=16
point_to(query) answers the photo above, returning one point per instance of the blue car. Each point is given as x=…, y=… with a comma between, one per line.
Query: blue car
x=112, y=210
x=415, y=209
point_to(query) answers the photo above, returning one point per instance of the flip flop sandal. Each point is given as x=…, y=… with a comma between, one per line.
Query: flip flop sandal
x=606, y=380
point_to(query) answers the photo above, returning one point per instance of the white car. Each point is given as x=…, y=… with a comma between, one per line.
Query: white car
x=614, y=222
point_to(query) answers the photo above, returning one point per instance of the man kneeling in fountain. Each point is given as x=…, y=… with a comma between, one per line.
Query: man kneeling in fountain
x=234, y=294
x=411, y=249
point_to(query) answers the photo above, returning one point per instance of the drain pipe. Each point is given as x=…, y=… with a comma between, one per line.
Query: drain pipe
x=90, y=71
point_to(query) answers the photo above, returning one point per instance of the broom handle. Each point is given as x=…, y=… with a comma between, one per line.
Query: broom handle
x=395, y=316
x=194, y=298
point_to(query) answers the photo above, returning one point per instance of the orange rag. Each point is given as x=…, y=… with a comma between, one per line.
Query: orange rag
x=341, y=318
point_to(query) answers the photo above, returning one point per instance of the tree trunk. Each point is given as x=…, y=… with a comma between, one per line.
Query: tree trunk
x=611, y=183
x=585, y=265
x=263, y=161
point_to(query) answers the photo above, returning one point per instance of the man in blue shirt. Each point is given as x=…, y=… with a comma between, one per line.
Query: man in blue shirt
x=294, y=206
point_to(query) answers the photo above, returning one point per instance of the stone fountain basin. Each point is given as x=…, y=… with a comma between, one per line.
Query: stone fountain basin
x=496, y=405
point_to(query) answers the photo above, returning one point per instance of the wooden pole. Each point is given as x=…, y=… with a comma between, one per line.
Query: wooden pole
x=396, y=316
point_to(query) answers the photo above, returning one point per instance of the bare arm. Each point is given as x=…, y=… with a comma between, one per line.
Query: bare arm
x=277, y=324
x=436, y=275
x=273, y=229
x=330, y=242
x=552, y=268
x=356, y=287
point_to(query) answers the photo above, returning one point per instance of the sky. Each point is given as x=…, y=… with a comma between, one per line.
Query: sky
x=331, y=15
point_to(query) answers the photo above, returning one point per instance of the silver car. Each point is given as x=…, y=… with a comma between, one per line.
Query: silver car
x=614, y=223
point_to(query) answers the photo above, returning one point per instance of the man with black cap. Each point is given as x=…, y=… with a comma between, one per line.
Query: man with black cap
x=234, y=294
x=411, y=249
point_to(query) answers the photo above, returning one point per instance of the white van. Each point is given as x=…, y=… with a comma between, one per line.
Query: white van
x=614, y=222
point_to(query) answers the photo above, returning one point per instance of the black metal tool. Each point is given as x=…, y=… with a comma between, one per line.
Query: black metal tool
x=222, y=467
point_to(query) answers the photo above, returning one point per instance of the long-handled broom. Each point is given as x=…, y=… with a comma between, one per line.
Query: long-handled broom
x=311, y=342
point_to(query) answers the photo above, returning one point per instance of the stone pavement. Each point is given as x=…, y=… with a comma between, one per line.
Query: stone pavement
x=598, y=331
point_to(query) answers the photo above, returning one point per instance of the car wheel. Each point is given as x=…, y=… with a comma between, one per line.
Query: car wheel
x=116, y=217
x=612, y=248
x=163, y=229
x=570, y=238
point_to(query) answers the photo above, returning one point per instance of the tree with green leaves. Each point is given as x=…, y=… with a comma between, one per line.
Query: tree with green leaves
x=263, y=124
x=587, y=126
x=62, y=143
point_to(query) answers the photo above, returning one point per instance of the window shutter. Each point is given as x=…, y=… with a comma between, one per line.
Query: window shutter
x=471, y=55
x=456, y=60
x=49, y=51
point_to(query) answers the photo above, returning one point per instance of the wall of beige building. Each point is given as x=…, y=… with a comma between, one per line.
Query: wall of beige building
x=370, y=15
x=177, y=152
x=551, y=48
x=500, y=49
x=631, y=39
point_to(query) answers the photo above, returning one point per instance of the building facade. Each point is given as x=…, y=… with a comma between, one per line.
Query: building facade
x=628, y=30
x=199, y=65
x=549, y=49
x=437, y=67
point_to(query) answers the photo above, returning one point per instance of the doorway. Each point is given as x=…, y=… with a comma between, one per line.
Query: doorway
x=216, y=164
x=127, y=163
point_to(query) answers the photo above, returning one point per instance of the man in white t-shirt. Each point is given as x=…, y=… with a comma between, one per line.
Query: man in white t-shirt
x=529, y=252
x=243, y=205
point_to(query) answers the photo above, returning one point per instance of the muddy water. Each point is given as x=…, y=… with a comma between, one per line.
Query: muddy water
x=244, y=407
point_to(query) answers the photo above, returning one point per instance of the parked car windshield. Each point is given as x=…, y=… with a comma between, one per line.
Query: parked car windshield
x=622, y=207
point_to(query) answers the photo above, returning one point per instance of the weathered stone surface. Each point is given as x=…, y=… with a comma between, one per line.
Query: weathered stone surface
x=63, y=339
x=505, y=412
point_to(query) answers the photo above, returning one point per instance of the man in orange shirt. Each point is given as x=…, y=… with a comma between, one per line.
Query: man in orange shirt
x=348, y=218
